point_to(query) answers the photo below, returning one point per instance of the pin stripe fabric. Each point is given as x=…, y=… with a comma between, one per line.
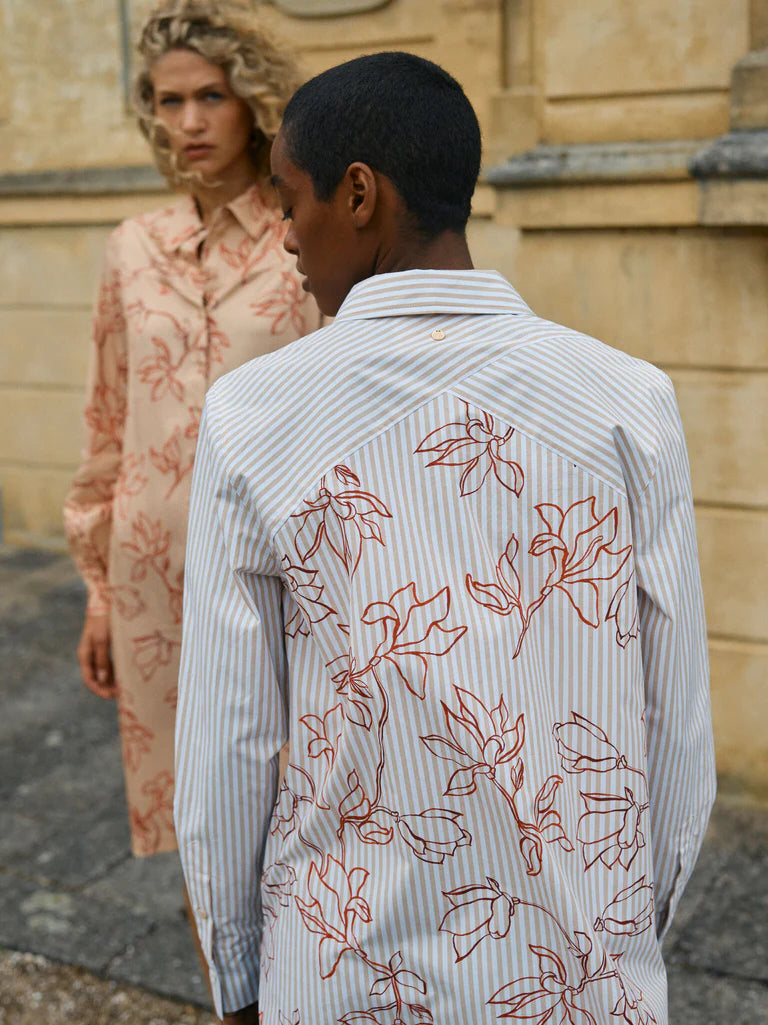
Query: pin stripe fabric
x=460, y=577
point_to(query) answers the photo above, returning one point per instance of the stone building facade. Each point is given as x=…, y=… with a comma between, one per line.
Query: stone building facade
x=625, y=193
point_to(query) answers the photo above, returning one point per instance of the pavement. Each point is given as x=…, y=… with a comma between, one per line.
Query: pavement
x=92, y=935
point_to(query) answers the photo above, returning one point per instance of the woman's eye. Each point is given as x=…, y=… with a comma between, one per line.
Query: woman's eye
x=214, y=96
x=168, y=101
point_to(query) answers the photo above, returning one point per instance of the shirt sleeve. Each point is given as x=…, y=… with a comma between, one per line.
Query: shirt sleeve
x=88, y=506
x=231, y=720
x=674, y=648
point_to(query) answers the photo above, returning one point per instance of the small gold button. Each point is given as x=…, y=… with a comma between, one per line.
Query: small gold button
x=438, y=335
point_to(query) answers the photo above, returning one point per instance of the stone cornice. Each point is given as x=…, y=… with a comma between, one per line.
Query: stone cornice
x=88, y=181
x=741, y=154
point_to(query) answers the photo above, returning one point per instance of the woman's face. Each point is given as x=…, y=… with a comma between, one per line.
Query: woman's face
x=209, y=127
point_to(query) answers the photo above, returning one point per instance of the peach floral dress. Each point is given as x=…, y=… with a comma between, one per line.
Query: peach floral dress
x=180, y=303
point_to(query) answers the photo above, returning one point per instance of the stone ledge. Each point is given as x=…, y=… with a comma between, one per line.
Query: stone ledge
x=596, y=162
x=86, y=181
x=742, y=154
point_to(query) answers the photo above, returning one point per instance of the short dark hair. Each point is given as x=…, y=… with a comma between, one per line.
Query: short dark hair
x=402, y=115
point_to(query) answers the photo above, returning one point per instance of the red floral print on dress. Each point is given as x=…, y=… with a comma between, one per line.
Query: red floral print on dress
x=579, y=546
x=170, y=460
x=278, y=882
x=126, y=600
x=485, y=745
x=624, y=612
x=326, y=733
x=151, y=652
x=478, y=445
x=307, y=596
x=609, y=830
x=150, y=543
x=149, y=825
x=284, y=306
x=349, y=682
x=479, y=912
x=131, y=482
x=630, y=912
x=344, y=520
x=629, y=1008
x=105, y=418
x=136, y=738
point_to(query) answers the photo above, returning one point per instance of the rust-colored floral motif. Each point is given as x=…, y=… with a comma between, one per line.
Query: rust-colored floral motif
x=307, y=596
x=478, y=445
x=343, y=520
x=284, y=306
x=579, y=545
x=149, y=826
x=553, y=993
x=485, y=744
x=136, y=738
x=609, y=829
x=151, y=652
x=149, y=547
x=630, y=912
x=624, y=612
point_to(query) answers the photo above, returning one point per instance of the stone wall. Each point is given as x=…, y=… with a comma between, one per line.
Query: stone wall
x=625, y=194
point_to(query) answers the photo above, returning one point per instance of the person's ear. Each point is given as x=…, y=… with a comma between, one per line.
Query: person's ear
x=362, y=193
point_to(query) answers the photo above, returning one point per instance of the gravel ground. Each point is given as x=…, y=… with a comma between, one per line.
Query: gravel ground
x=36, y=991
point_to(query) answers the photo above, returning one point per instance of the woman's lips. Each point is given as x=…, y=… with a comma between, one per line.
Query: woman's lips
x=196, y=152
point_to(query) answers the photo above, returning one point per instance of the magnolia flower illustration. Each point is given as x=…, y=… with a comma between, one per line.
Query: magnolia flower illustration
x=307, y=595
x=433, y=835
x=326, y=733
x=136, y=738
x=585, y=747
x=579, y=544
x=480, y=447
x=630, y=912
x=277, y=883
x=344, y=520
x=609, y=829
x=152, y=651
x=334, y=910
x=285, y=815
x=629, y=1008
x=149, y=544
x=349, y=682
x=131, y=482
x=478, y=741
x=623, y=611
x=105, y=417
x=544, y=999
x=284, y=305
x=479, y=912
x=159, y=371
x=413, y=633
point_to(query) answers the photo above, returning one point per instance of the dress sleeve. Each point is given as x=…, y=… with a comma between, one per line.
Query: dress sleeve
x=88, y=506
x=674, y=647
x=231, y=720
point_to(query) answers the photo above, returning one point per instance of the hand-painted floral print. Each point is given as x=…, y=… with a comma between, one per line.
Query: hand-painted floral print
x=479, y=446
x=342, y=519
x=179, y=304
x=486, y=745
x=579, y=545
x=307, y=595
x=609, y=828
x=483, y=911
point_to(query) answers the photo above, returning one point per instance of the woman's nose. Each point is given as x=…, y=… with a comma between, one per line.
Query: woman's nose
x=191, y=118
x=289, y=243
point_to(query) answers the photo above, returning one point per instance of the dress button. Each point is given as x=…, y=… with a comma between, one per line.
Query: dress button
x=438, y=335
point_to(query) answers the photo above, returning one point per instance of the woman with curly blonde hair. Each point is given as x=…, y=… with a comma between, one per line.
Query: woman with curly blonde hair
x=187, y=293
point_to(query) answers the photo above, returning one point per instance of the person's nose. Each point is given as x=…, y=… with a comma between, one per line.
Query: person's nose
x=192, y=121
x=290, y=244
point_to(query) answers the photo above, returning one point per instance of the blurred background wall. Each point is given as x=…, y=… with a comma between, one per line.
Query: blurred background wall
x=625, y=193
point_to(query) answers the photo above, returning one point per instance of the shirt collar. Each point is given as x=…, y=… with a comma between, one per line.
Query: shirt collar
x=183, y=229
x=414, y=293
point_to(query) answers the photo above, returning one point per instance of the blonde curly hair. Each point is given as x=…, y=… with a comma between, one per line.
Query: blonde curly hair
x=226, y=33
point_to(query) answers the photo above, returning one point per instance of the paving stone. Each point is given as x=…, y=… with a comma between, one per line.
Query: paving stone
x=148, y=885
x=165, y=962
x=65, y=925
x=698, y=997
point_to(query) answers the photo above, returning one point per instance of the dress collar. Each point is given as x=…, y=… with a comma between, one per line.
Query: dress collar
x=416, y=292
x=183, y=229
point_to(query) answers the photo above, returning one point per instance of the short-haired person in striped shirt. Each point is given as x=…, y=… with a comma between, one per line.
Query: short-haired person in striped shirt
x=446, y=548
